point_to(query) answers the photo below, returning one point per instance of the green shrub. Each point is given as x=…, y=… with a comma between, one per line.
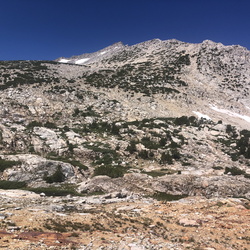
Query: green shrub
x=34, y=124
x=143, y=154
x=50, y=125
x=247, y=176
x=183, y=120
x=161, y=196
x=105, y=159
x=4, y=164
x=54, y=191
x=65, y=226
x=234, y=156
x=166, y=158
x=162, y=142
x=175, y=154
x=154, y=173
x=217, y=168
x=131, y=148
x=58, y=176
x=111, y=171
x=149, y=144
x=234, y=171
x=12, y=184
x=78, y=164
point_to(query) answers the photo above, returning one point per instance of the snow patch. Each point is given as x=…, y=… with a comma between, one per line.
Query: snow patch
x=230, y=113
x=80, y=61
x=104, y=52
x=200, y=115
x=63, y=60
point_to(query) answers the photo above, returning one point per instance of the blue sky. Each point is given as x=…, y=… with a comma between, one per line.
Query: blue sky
x=48, y=29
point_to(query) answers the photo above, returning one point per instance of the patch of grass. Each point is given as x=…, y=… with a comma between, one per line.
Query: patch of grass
x=154, y=173
x=55, y=191
x=111, y=171
x=12, y=184
x=95, y=193
x=217, y=168
x=78, y=164
x=65, y=226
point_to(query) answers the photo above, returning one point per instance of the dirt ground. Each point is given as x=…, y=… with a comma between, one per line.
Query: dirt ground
x=66, y=223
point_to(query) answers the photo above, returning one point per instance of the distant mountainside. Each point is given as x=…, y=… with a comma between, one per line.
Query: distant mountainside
x=210, y=72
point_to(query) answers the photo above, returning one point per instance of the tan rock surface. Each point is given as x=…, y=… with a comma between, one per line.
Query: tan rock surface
x=69, y=223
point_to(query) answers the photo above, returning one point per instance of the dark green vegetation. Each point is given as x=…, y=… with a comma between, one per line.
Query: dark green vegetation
x=107, y=161
x=236, y=171
x=224, y=69
x=130, y=77
x=58, y=176
x=66, y=226
x=25, y=73
x=111, y=171
x=162, y=147
x=46, y=124
x=236, y=145
x=161, y=172
x=140, y=77
x=63, y=190
x=88, y=112
x=162, y=143
x=161, y=196
x=12, y=184
x=4, y=164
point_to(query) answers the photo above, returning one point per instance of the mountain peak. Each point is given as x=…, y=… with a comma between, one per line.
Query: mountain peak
x=87, y=58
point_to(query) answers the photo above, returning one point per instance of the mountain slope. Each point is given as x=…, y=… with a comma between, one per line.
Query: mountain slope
x=206, y=75
x=149, y=145
x=131, y=112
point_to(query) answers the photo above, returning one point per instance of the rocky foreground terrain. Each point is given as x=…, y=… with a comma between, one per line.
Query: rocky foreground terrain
x=131, y=147
x=122, y=221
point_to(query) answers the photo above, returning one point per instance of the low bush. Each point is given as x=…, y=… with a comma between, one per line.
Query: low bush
x=58, y=176
x=131, y=148
x=65, y=226
x=12, y=184
x=34, y=124
x=54, y=191
x=234, y=171
x=154, y=173
x=50, y=125
x=217, y=168
x=111, y=171
x=4, y=164
x=161, y=196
